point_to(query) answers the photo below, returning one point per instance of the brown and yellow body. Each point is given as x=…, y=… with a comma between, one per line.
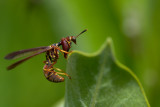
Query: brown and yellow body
x=51, y=74
x=49, y=69
x=52, y=55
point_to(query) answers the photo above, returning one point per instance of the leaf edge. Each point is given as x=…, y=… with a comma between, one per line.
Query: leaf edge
x=109, y=43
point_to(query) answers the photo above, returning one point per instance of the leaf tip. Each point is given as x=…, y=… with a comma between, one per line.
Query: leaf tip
x=109, y=40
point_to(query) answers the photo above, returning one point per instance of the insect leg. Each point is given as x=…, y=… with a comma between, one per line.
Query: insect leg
x=61, y=50
x=50, y=69
x=58, y=69
x=64, y=74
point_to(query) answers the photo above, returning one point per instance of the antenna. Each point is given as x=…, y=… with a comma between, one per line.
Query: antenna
x=82, y=32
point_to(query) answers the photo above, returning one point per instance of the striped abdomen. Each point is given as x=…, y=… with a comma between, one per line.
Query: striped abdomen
x=52, y=76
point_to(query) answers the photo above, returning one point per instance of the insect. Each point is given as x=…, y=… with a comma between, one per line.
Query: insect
x=49, y=70
x=52, y=55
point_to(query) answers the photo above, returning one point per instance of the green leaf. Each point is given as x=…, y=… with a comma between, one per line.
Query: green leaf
x=99, y=80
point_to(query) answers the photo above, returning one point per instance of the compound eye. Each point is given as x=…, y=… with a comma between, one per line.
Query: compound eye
x=74, y=39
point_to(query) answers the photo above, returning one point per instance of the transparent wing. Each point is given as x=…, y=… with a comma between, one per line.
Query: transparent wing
x=21, y=61
x=25, y=52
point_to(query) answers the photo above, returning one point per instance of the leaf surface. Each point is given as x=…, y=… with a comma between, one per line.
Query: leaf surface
x=99, y=80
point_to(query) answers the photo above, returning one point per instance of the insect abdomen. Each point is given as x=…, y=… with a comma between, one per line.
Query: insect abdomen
x=53, y=76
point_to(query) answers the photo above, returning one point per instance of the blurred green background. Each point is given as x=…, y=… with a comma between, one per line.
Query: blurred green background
x=134, y=26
